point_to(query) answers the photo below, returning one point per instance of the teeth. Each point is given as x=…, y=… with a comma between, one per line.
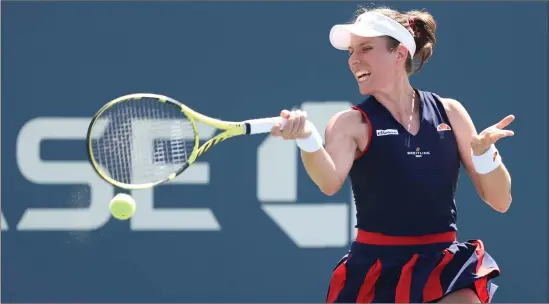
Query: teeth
x=361, y=73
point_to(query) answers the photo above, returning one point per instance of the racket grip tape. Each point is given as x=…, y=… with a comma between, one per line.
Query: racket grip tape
x=263, y=125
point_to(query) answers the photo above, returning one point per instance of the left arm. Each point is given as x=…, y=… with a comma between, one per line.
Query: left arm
x=493, y=187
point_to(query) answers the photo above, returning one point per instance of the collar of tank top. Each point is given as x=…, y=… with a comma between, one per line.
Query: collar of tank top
x=371, y=24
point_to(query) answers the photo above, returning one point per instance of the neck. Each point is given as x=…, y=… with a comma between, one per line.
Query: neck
x=397, y=97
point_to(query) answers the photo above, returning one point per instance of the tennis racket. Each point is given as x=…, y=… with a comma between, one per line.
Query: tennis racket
x=139, y=141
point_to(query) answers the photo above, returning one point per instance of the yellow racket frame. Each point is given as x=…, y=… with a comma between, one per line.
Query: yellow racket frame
x=232, y=129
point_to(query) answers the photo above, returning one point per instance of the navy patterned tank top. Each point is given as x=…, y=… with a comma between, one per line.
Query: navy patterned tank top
x=405, y=185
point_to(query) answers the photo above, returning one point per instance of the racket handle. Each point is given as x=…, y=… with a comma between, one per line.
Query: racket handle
x=263, y=125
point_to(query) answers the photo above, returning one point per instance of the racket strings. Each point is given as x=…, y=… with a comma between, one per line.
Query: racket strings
x=144, y=141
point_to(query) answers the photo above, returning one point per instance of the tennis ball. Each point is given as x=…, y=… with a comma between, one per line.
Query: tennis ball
x=122, y=206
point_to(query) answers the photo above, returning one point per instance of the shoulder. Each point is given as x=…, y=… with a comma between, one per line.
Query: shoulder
x=459, y=119
x=456, y=112
x=346, y=119
x=347, y=123
x=449, y=104
x=454, y=109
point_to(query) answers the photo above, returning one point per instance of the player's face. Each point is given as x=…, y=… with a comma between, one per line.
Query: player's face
x=372, y=63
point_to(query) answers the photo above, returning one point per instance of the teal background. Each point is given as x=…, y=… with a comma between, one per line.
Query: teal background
x=234, y=61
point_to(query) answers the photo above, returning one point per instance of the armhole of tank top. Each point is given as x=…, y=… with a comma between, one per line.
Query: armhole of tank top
x=439, y=101
x=370, y=130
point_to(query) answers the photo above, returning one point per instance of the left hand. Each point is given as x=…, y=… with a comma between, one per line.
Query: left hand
x=482, y=142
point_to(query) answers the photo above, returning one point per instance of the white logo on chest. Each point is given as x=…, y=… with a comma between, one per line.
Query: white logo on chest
x=387, y=132
x=418, y=153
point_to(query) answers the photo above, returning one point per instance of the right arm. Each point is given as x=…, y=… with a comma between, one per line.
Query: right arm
x=330, y=166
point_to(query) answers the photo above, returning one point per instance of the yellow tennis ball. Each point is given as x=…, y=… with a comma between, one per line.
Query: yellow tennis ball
x=122, y=206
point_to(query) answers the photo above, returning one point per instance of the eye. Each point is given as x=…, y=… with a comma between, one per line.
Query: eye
x=366, y=49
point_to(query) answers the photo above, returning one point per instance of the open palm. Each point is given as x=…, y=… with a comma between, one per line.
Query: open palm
x=482, y=142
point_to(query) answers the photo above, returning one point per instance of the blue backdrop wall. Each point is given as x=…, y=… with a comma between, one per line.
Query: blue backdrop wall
x=213, y=236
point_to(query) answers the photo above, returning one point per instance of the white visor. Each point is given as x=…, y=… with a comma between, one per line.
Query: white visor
x=371, y=24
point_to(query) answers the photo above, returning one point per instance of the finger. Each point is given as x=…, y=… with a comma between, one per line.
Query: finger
x=508, y=132
x=285, y=114
x=496, y=136
x=289, y=126
x=302, y=122
x=479, y=141
x=485, y=138
x=505, y=122
x=482, y=139
x=475, y=138
x=275, y=130
x=297, y=124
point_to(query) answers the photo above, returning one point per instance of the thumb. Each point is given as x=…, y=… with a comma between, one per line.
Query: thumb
x=285, y=114
x=476, y=138
x=276, y=130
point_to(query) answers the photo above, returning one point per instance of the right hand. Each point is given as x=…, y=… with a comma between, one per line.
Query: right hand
x=295, y=127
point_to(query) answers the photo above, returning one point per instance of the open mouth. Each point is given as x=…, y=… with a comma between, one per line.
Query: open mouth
x=363, y=75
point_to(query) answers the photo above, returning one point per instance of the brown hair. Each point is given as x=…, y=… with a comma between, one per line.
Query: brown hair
x=421, y=25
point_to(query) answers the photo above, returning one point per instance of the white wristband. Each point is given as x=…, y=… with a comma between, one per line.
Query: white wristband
x=488, y=161
x=313, y=142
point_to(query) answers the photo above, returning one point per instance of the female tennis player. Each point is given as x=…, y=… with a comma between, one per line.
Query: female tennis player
x=402, y=148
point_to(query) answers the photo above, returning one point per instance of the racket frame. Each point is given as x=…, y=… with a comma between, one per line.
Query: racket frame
x=231, y=129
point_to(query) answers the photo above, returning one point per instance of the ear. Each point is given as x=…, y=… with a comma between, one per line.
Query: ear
x=402, y=53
